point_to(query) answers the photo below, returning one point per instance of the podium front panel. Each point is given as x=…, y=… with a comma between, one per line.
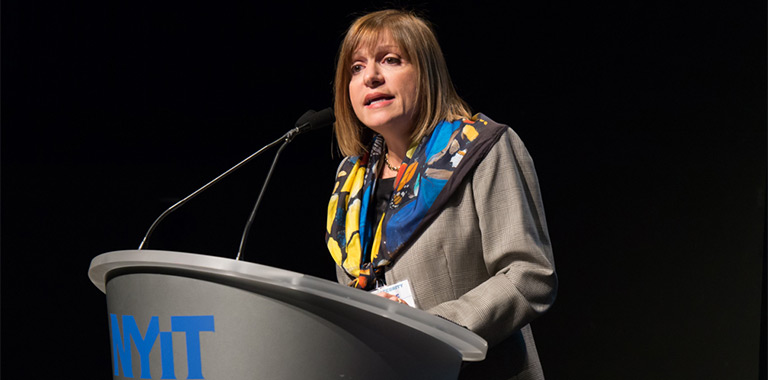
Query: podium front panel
x=182, y=316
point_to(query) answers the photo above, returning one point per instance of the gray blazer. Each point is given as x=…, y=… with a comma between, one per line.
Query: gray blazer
x=486, y=262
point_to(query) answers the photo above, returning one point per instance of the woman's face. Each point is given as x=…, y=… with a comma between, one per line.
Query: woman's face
x=383, y=88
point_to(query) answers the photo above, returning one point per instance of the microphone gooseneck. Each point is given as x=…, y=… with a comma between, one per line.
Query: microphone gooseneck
x=309, y=121
x=200, y=190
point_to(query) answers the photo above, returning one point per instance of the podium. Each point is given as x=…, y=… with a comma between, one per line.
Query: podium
x=176, y=315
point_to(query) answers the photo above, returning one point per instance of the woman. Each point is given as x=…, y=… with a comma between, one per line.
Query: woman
x=435, y=196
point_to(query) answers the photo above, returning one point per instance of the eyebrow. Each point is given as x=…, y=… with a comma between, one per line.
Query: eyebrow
x=358, y=56
x=357, y=53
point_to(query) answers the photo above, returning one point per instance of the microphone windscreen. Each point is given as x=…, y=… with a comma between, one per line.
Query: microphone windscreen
x=304, y=119
x=322, y=118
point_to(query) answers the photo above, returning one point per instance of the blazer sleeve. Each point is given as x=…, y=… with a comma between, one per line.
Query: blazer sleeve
x=516, y=248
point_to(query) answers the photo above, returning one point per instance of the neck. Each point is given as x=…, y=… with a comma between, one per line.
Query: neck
x=394, y=156
x=396, y=149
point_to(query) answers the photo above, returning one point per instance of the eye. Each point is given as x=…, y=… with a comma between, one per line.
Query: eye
x=356, y=68
x=392, y=60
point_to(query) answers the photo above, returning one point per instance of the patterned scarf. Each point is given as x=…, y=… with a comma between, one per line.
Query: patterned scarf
x=430, y=173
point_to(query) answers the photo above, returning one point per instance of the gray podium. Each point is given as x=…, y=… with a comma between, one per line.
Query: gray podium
x=177, y=315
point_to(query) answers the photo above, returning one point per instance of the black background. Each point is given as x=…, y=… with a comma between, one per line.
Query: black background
x=647, y=122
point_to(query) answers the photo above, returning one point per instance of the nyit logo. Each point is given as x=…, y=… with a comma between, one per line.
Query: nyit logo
x=127, y=332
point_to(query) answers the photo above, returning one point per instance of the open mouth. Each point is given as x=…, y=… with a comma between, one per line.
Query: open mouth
x=377, y=99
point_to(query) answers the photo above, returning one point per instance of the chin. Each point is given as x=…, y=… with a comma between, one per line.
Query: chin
x=376, y=123
x=379, y=124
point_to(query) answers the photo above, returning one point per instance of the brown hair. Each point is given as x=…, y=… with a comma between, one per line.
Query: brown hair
x=437, y=97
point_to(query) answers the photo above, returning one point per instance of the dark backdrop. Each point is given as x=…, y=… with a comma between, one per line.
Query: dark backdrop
x=647, y=122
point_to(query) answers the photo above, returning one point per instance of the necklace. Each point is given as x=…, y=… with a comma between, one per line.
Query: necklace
x=392, y=168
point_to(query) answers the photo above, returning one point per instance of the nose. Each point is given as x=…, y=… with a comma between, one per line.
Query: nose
x=373, y=77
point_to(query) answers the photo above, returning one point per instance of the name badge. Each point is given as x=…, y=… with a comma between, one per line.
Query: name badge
x=402, y=290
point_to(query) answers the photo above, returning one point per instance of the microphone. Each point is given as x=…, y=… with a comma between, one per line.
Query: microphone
x=310, y=120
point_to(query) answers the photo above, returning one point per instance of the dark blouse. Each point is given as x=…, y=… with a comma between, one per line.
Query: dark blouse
x=384, y=189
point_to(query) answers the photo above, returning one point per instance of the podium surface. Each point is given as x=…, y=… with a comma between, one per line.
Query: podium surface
x=180, y=315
